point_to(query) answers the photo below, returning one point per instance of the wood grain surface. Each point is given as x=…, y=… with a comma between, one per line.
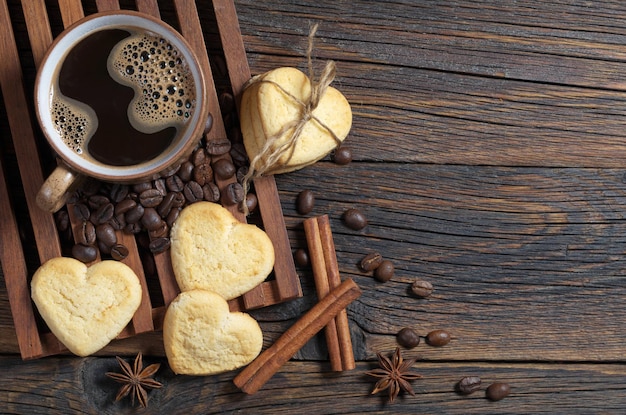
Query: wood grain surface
x=489, y=159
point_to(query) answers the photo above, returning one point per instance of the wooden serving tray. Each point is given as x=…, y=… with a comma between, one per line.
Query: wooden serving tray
x=34, y=339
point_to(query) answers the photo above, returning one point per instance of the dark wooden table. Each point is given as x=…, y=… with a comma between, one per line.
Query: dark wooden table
x=489, y=150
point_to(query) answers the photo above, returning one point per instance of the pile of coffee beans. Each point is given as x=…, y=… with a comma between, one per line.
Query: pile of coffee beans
x=100, y=209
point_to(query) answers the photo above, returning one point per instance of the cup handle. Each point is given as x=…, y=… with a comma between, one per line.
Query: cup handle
x=57, y=188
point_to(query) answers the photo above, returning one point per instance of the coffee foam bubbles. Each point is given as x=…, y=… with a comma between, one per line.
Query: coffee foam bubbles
x=74, y=121
x=163, y=84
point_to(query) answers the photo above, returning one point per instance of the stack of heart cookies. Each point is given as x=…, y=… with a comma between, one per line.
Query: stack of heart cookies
x=215, y=258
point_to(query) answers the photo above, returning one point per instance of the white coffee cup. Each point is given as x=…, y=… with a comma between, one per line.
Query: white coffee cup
x=75, y=161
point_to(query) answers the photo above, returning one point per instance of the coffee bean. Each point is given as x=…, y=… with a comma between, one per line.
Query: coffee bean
x=118, y=192
x=468, y=385
x=238, y=154
x=124, y=206
x=301, y=257
x=84, y=253
x=218, y=146
x=407, y=337
x=233, y=194
x=354, y=219
x=62, y=220
x=422, y=288
x=150, y=198
x=371, y=261
x=438, y=338
x=179, y=200
x=151, y=219
x=384, y=272
x=211, y=192
x=185, y=171
x=140, y=187
x=119, y=252
x=497, y=391
x=342, y=156
x=134, y=215
x=193, y=192
x=160, y=231
x=305, y=202
x=251, y=202
x=118, y=222
x=198, y=157
x=106, y=235
x=103, y=214
x=96, y=201
x=91, y=187
x=159, y=185
x=241, y=173
x=133, y=228
x=172, y=216
x=159, y=245
x=203, y=173
x=82, y=211
x=224, y=169
x=174, y=184
x=87, y=233
x=166, y=205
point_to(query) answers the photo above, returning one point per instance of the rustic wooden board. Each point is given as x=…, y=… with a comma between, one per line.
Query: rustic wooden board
x=489, y=87
x=285, y=282
x=298, y=387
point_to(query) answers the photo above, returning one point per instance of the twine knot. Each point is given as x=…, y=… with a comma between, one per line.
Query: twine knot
x=272, y=152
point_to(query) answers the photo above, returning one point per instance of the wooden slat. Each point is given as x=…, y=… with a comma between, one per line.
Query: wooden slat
x=71, y=11
x=20, y=121
x=13, y=265
x=36, y=17
x=150, y=7
x=288, y=283
x=190, y=28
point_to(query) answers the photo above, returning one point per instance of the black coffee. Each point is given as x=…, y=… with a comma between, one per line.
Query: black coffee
x=122, y=96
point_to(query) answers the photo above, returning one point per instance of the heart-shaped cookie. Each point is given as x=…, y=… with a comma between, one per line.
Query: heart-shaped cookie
x=85, y=307
x=202, y=337
x=266, y=109
x=211, y=250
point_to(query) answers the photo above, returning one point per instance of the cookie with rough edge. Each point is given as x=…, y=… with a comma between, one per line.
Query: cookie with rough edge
x=85, y=307
x=211, y=250
x=202, y=337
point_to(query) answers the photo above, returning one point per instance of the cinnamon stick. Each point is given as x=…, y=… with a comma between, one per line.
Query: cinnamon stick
x=254, y=376
x=322, y=286
x=334, y=279
x=326, y=276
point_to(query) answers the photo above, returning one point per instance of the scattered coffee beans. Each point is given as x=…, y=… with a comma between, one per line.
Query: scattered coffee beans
x=371, y=261
x=233, y=194
x=422, y=288
x=159, y=245
x=119, y=252
x=342, y=155
x=468, y=385
x=305, y=202
x=84, y=253
x=384, y=271
x=438, y=338
x=301, y=257
x=407, y=337
x=354, y=219
x=497, y=391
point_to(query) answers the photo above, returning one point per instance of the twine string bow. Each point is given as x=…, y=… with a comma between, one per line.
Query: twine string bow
x=273, y=150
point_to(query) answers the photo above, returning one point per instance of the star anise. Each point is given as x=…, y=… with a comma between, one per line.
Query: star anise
x=136, y=380
x=394, y=374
